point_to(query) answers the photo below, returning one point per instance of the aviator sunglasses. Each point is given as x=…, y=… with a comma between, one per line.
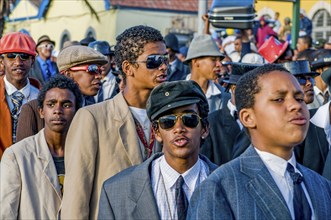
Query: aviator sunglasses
x=190, y=120
x=22, y=56
x=155, y=61
x=93, y=69
x=303, y=80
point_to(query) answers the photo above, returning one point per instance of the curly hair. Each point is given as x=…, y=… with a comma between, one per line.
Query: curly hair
x=130, y=44
x=248, y=86
x=61, y=82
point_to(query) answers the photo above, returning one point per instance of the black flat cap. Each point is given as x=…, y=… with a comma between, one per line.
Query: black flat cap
x=239, y=69
x=299, y=68
x=171, y=95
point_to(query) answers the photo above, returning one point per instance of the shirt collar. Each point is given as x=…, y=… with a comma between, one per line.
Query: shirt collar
x=170, y=175
x=318, y=91
x=322, y=118
x=231, y=107
x=275, y=163
x=10, y=88
x=212, y=89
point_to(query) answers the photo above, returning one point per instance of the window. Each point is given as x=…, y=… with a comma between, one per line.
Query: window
x=321, y=25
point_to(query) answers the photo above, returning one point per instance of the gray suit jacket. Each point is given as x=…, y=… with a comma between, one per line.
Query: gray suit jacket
x=244, y=189
x=129, y=194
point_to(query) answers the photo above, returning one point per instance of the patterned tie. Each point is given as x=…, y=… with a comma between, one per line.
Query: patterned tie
x=181, y=199
x=17, y=100
x=300, y=203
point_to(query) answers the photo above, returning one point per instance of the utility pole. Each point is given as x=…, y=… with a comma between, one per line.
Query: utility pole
x=203, y=5
x=295, y=23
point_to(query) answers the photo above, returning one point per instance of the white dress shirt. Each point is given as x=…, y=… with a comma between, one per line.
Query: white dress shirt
x=29, y=91
x=163, y=179
x=277, y=168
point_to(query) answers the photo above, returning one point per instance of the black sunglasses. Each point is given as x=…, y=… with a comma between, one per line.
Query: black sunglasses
x=155, y=61
x=190, y=120
x=22, y=56
x=303, y=80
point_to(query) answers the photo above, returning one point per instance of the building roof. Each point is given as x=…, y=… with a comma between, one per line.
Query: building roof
x=167, y=5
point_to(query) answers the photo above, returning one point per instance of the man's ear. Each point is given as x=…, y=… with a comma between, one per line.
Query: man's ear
x=247, y=117
x=158, y=136
x=32, y=61
x=127, y=68
x=41, y=112
x=204, y=132
x=67, y=73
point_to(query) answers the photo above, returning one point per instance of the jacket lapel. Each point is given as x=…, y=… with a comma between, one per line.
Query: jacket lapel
x=127, y=130
x=47, y=162
x=262, y=187
x=142, y=196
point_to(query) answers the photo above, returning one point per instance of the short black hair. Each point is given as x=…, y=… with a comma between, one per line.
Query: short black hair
x=307, y=40
x=248, y=86
x=61, y=82
x=130, y=44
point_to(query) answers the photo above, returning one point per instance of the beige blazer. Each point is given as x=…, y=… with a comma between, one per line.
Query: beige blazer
x=101, y=141
x=29, y=186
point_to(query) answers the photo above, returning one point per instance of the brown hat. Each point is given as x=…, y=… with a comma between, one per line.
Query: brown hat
x=77, y=55
x=43, y=39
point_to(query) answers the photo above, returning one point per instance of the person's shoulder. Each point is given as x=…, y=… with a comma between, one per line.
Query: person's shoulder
x=21, y=148
x=229, y=170
x=312, y=176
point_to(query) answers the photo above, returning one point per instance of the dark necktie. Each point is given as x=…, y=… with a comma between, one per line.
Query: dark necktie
x=300, y=203
x=100, y=95
x=326, y=97
x=235, y=115
x=89, y=100
x=181, y=199
x=17, y=100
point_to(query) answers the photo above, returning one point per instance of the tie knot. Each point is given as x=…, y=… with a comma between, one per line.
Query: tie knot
x=180, y=181
x=18, y=96
x=296, y=177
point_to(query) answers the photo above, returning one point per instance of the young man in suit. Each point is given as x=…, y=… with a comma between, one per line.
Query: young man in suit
x=16, y=88
x=178, y=111
x=225, y=127
x=204, y=59
x=83, y=69
x=265, y=182
x=110, y=136
x=32, y=170
x=44, y=68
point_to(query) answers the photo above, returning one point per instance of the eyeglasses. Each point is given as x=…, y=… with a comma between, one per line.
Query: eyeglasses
x=303, y=80
x=155, y=61
x=190, y=120
x=22, y=56
x=47, y=46
x=93, y=68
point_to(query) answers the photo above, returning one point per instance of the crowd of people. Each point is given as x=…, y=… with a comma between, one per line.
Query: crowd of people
x=151, y=129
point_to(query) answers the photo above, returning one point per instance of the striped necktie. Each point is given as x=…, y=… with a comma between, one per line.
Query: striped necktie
x=17, y=100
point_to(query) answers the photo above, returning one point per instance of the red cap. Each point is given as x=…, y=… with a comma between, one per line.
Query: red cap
x=272, y=49
x=17, y=42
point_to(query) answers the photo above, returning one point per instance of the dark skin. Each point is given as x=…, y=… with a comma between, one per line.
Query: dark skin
x=58, y=110
x=139, y=79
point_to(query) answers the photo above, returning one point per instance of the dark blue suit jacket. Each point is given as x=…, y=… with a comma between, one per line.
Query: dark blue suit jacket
x=244, y=189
